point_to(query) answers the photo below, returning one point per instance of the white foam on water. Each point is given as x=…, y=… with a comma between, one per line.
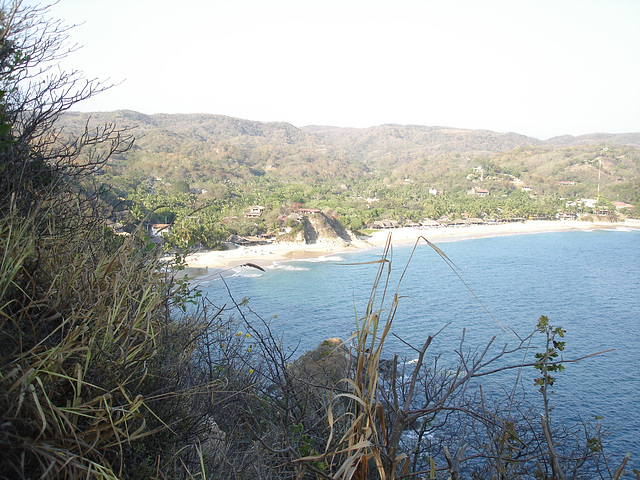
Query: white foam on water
x=287, y=267
x=325, y=258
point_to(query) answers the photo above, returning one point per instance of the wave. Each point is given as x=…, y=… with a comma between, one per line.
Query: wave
x=325, y=258
x=286, y=267
x=246, y=275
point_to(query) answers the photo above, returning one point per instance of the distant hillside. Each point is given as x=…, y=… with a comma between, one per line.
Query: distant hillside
x=631, y=139
x=208, y=151
x=372, y=142
x=199, y=127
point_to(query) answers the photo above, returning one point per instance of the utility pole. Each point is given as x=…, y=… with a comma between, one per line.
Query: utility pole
x=604, y=149
x=599, y=172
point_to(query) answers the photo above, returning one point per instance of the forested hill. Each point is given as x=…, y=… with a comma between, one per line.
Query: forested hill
x=209, y=150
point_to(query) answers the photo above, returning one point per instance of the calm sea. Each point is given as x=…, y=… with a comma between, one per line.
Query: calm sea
x=586, y=282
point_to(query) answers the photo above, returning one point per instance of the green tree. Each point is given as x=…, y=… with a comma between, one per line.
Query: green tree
x=180, y=186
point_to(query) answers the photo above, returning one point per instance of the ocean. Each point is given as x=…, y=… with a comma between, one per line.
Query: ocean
x=587, y=282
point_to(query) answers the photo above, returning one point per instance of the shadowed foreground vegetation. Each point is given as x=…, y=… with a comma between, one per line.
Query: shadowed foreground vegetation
x=104, y=375
x=111, y=367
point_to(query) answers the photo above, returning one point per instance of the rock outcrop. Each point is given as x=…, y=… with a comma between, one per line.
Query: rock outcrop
x=319, y=228
x=324, y=367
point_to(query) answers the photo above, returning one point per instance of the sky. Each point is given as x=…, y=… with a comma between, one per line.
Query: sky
x=537, y=67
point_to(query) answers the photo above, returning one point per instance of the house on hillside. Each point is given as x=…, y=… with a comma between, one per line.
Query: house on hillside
x=566, y=182
x=308, y=211
x=254, y=212
x=622, y=205
x=480, y=192
x=159, y=229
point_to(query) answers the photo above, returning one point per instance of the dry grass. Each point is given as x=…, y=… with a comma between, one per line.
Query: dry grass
x=361, y=425
x=80, y=327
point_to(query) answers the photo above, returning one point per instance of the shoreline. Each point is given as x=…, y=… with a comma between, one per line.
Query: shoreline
x=267, y=255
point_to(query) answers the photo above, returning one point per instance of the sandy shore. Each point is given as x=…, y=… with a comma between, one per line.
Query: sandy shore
x=265, y=255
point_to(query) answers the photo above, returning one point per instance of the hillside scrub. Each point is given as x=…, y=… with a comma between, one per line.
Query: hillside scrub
x=241, y=162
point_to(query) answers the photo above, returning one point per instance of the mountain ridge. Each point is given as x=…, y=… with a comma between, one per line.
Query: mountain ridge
x=228, y=125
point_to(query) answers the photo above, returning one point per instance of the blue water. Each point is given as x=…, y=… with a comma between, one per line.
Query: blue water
x=586, y=282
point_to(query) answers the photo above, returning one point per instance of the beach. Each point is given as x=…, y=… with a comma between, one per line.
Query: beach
x=265, y=255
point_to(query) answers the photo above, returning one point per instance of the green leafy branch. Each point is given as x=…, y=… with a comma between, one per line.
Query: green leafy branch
x=546, y=362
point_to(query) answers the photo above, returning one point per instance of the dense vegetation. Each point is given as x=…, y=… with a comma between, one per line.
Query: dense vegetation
x=111, y=367
x=402, y=173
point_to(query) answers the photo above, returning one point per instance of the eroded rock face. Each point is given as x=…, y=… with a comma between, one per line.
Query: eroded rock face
x=319, y=228
x=316, y=228
x=327, y=230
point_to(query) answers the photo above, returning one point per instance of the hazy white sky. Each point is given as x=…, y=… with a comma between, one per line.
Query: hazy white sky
x=536, y=67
